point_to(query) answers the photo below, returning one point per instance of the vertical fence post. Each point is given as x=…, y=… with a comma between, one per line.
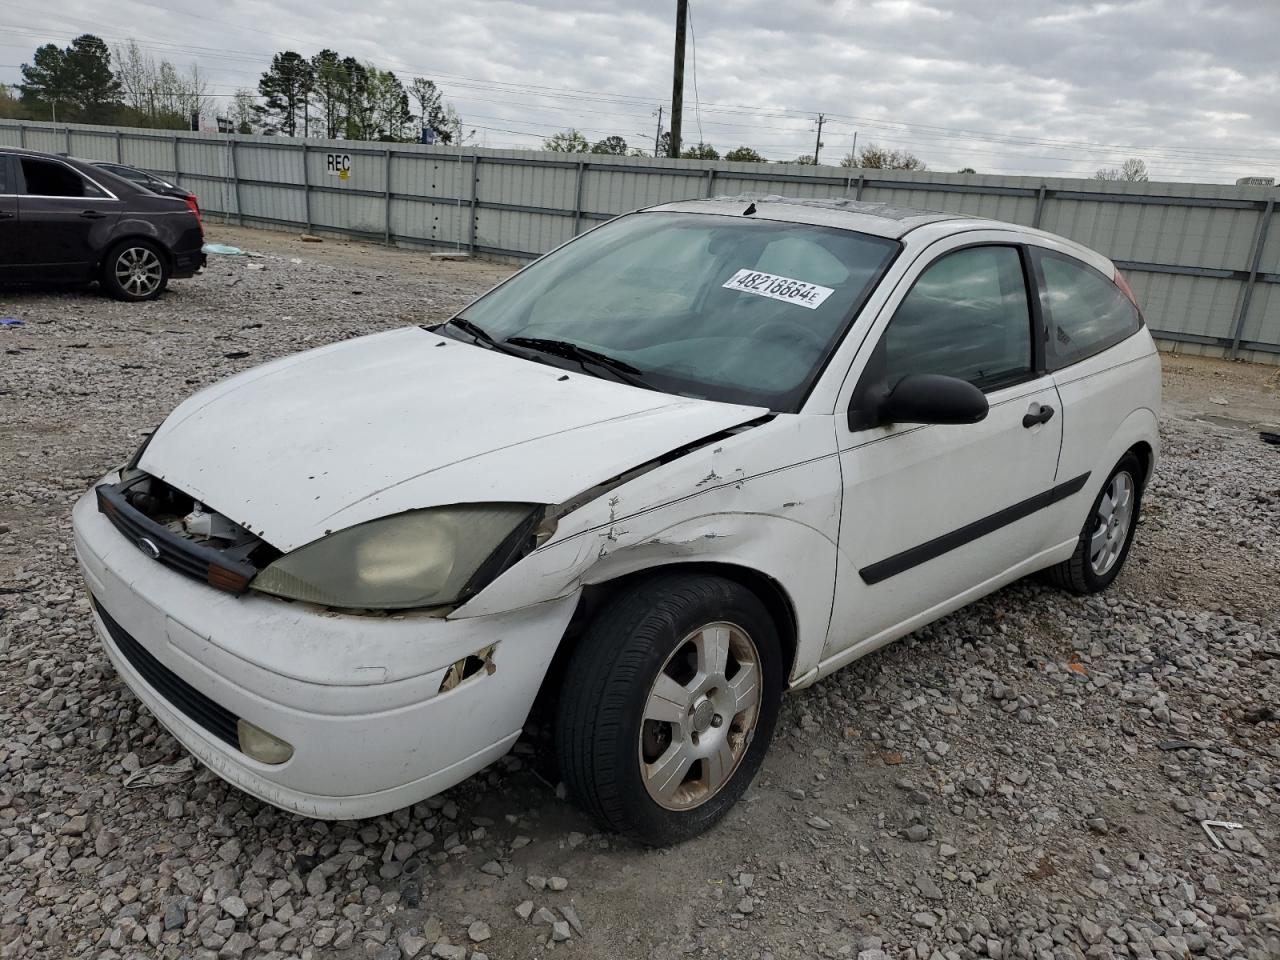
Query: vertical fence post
x=386, y=198
x=306, y=186
x=577, y=197
x=475, y=188
x=119, y=149
x=22, y=135
x=177, y=167
x=1255, y=260
x=711, y=179
x=235, y=181
x=1035, y=219
x=862, y=180
x=68, y=134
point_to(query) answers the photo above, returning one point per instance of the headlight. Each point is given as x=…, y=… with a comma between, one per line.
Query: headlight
x=423, y=558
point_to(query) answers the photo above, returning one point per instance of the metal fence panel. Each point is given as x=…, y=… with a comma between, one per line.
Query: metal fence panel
x=1203, y=259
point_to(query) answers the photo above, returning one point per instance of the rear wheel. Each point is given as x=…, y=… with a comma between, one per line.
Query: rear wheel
x=1107, y=536
x=135, y=270
x=668, y=706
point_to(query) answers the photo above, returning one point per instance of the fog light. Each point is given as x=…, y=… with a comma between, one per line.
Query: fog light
x=261, y=745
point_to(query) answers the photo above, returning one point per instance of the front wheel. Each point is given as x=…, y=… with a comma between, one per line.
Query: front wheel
x=135, y=270
x=668, y=706
x=1107, y=534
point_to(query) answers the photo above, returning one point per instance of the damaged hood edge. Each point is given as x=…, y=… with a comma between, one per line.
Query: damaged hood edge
x=407, y=420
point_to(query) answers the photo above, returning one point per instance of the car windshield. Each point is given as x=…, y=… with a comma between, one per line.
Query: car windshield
x=717, y=307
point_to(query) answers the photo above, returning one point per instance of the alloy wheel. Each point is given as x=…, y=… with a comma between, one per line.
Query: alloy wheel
x=139, y=271
x=1111, y=524
x=700, y=716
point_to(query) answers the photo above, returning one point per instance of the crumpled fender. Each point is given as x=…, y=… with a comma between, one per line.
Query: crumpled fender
x=752, y=500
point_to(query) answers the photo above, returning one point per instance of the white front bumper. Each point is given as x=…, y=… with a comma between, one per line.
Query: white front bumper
x=356, y=696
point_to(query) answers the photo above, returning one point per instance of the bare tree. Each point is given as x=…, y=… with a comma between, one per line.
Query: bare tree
x=1132, y=170
x=874, y=157
x=241, y=112
x=158, y=91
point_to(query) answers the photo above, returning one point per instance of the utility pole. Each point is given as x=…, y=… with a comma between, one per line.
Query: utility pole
x=657, y=137
x=677, y=77
x=817, y=146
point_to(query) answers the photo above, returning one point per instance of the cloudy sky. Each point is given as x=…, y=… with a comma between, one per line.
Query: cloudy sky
x=1028, y=87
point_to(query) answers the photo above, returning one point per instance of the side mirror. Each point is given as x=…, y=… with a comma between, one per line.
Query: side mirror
x=933, y=398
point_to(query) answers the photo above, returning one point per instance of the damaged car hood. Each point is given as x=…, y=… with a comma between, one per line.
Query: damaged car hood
x=366, y=428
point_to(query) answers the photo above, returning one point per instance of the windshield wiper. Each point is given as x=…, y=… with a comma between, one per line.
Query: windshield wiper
x=583, y=355
x=479, y=335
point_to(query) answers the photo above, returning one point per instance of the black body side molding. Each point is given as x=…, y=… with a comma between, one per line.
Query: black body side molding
x=913, y=557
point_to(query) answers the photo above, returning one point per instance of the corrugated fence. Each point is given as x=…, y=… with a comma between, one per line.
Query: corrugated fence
x=1203, y=259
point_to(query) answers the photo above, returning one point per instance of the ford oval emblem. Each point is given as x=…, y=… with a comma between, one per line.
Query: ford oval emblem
x=149, y=548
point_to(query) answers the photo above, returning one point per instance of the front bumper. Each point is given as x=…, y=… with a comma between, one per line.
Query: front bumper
x=356, y=696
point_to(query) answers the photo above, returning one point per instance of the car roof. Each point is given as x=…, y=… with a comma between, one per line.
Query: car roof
x=878, y=219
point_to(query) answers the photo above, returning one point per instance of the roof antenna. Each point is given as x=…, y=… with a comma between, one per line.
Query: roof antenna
x=750, y=210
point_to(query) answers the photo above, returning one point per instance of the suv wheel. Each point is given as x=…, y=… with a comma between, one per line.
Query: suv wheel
x=668, y=706
x=135, y=270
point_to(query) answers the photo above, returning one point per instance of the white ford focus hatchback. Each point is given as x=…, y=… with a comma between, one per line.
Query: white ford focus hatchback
x=703, y=454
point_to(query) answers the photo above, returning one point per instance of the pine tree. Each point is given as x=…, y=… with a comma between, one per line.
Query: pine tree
x=285, y=88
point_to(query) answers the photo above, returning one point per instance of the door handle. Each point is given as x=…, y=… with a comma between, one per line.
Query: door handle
x=92, y=215
x=1039, y=413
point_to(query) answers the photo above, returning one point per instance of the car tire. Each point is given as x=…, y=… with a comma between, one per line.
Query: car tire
x=135, y=270
x=655, y=651
x=1107, y=534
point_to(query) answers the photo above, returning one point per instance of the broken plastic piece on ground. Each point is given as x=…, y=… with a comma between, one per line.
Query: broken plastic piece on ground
x=1223, y=824
x=1266, y=435
x=223, y=249
x=310, y=238
x=160, y=774
x=11, y=322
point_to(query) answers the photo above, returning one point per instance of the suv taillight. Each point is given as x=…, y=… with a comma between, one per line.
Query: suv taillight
x=1123, y=284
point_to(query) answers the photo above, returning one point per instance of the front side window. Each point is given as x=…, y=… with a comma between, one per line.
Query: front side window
x=966, y=316
x=1085, y=312
x=717, y=307
x=45, y=178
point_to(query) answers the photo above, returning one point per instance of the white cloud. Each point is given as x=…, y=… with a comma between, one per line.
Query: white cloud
x=1041, y=87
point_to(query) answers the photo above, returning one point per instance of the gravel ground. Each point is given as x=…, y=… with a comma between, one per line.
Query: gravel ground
x=1024, y=779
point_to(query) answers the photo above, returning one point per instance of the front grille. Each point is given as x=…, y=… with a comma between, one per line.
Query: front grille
x=215, y=718
x=175, y=552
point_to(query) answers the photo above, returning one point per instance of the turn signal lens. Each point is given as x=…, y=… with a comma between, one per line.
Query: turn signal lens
x=262, y=746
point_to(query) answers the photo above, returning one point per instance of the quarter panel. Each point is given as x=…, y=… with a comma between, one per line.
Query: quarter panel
x=1110, y=402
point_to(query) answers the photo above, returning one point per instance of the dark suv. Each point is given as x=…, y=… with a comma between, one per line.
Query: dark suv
x=66, y=220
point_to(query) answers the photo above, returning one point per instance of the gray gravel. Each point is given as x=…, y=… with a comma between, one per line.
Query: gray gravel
x=1025, y=779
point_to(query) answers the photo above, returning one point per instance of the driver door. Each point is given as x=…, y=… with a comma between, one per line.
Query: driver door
x=934, y=515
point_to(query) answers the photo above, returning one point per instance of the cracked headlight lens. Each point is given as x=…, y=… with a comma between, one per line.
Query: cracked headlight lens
x=423, y=558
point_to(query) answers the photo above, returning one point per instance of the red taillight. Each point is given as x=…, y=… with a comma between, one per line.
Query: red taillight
x=1123, y=284
x=195, y=208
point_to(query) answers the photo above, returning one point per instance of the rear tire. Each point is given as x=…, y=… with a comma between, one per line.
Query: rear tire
x=668, y=706
x=1107, y=534
x=135, y=270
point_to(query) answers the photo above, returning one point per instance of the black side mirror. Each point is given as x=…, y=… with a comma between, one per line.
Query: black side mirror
x=932, y=398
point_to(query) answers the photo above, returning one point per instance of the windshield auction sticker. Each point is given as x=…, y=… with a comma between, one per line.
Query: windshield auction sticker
x=802, y=294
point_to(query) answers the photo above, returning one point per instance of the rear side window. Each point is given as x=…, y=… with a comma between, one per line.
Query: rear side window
x=1084, y=311
x=966, y=316
x=6, y=177
x=45, y=178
